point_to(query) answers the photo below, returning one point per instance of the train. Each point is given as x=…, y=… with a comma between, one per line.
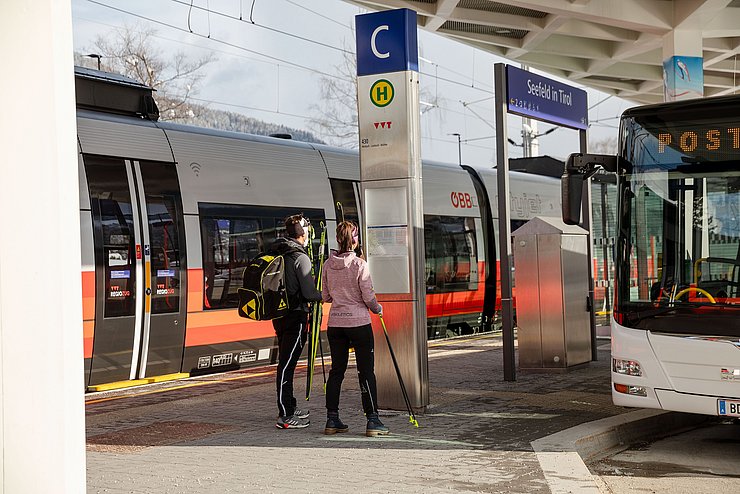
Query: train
x=170, y=214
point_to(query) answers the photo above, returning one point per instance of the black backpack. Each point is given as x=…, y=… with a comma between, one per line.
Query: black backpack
x=263, y=295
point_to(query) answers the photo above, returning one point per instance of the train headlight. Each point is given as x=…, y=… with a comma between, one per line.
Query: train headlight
x=626, y=367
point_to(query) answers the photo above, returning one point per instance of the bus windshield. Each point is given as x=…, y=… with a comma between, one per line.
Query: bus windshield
x=679, y=229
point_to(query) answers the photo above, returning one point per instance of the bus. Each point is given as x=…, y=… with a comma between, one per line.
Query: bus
x=675, y=328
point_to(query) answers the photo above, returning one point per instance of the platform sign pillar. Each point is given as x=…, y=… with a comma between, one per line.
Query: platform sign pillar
x=532, y=96
x=390, y=171
x=42, y=411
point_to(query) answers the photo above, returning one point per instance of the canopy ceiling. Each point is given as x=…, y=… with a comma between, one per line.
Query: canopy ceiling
x=615, y=46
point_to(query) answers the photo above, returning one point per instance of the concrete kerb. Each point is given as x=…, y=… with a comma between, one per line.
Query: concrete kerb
x=562, y=455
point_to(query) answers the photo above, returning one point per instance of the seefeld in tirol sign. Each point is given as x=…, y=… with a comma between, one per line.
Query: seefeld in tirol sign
x=531, y=95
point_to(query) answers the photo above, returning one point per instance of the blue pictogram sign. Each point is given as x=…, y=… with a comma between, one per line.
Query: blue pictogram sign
x=386, y=42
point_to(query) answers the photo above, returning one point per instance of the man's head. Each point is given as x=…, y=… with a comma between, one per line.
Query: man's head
x=296, y=227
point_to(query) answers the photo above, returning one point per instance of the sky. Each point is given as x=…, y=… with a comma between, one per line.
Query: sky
x=273, y=55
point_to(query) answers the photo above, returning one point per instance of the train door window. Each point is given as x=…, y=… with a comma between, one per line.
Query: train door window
x=346, y=193
x=110, y=200
x=232, y=235
x=451, y=254
x=164, y=207
x=345, y=202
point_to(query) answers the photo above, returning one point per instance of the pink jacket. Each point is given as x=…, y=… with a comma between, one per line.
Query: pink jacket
x=347, y=285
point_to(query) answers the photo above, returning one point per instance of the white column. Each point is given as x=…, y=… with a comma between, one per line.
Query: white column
x=683, y=70
x=42, y=420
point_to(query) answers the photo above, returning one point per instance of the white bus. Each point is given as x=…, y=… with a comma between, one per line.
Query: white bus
x=676, y=319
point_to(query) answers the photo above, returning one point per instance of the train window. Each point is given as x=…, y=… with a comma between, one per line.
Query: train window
x=344, y=193
x=113, y=222
x=233, y=234
x=164, y=211
x=451, y=254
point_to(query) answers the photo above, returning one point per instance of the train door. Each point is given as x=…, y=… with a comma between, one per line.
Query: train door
x=140, y=270
x=489, y=244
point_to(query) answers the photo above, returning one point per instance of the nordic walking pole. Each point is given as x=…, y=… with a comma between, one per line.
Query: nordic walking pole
x=412, y=417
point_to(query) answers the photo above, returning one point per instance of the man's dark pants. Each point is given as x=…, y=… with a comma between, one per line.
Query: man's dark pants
x=291, y=331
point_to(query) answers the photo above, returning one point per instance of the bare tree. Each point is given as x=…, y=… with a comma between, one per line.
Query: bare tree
x=336, y=116
x=604, y=146
x=336, y=119
x=130, y=51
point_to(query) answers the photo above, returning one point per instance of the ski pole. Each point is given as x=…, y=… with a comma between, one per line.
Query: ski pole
x=412, y=417
x=316, y=313
x=320, y=314
x=341, y=210
x=311, y=345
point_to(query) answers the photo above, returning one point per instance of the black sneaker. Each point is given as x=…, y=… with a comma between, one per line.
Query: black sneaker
x=334, y=425
x=375, y=427
x=301, y=414
x=291, y=422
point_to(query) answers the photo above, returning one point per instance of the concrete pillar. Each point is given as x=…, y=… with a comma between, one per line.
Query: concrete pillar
x=683, y=71
x=42, y=414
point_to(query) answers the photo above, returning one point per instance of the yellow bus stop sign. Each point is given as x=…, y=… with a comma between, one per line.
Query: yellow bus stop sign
x=381, y=93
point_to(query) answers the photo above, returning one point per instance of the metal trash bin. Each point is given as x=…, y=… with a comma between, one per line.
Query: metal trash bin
x=552, y=308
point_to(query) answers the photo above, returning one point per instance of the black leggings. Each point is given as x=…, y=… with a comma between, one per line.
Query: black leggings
x=340, y=340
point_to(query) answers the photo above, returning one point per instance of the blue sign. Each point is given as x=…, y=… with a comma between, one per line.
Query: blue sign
x=121, y=274
x=683, y=78
x=534, y=96
x=386, y=42
x=165, y=273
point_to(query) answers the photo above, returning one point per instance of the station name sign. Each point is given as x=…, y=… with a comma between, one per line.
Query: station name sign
x=534, y=96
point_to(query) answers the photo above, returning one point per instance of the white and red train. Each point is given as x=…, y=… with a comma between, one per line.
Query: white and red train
x=170, y=214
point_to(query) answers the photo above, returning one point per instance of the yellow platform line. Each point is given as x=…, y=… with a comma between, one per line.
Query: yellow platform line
x=168, y=377
x=138, y=382
x=189, y=385
x=118, y=385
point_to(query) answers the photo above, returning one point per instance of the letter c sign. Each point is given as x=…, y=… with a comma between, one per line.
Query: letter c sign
x=373, y=47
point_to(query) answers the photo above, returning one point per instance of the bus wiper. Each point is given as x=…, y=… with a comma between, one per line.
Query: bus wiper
x=649, y=314
x=698, y=164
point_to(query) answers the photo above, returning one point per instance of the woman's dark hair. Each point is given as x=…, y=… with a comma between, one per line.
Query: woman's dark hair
x=347, y=235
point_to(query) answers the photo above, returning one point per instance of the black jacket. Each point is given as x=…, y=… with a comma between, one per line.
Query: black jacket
x=299, y=282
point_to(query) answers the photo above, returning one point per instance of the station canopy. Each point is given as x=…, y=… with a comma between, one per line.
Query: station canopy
x=615, y=46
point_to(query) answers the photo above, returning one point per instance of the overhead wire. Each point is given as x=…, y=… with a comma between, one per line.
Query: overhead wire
x=215, y=40
x=278, y=31
x=179, y=41
x=326, y=45
x=191, y=5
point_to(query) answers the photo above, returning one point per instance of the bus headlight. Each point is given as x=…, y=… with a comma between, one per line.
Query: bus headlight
x=630, y=390
x=626, y=367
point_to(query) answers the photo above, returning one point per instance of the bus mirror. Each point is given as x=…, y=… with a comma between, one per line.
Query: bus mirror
x=590, y=163
x=571, y=185
x=578, y=169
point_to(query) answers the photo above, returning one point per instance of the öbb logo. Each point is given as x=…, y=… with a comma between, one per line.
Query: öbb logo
x=462, y=200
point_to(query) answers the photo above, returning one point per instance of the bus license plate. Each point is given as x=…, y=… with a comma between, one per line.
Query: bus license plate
x=730, y=408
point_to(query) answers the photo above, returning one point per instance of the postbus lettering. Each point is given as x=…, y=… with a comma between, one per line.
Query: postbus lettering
x=691, y=140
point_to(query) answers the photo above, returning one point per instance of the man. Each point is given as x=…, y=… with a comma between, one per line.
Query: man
x=292, y=329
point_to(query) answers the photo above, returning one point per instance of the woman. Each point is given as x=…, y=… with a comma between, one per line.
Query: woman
x=348, y=287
